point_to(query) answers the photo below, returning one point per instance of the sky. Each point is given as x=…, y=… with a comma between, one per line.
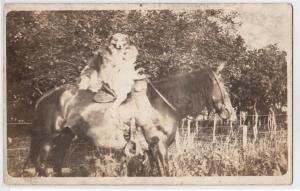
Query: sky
x=266, y=24
x=262, y=24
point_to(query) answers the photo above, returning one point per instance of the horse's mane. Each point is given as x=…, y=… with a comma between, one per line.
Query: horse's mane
x=193, y=81
x=187, y=92
x=50, y=92
x=183, y=76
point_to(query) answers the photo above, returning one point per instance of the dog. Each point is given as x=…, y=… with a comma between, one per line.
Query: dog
x=121, y=55
x=119, y=51
x=116, y=55
x=114, y=65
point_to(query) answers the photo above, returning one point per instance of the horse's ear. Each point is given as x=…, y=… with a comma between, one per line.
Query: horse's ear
x=220, y=67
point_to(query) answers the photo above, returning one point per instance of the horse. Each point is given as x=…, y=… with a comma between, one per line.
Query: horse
x=189, y=93
x=67, y=112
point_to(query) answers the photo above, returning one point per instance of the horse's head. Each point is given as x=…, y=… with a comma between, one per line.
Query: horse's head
x=219, y=95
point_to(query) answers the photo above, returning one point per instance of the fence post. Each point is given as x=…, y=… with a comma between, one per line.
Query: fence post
x=245, y=129
x=214, y=129
x=188, y=127
x=197, y=126
x=269, y=123
x=182, y=125
x=255, y=131
x=189, y=121
x=273, y=124
x=240, y=118
x=231, y=128
x=177, y=140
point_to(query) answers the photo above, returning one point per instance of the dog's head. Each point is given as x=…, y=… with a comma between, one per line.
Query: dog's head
x=119, y=40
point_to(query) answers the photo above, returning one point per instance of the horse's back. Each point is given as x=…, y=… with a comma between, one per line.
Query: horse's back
x=50, y=108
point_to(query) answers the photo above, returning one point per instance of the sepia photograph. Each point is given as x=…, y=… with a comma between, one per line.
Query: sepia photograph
x=148, y=94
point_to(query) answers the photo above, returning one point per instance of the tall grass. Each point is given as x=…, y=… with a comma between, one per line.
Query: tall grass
x=196, y=156
x=227, y=157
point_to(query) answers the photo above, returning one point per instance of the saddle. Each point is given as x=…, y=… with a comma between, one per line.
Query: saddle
x=136, y=142
x=105, y=95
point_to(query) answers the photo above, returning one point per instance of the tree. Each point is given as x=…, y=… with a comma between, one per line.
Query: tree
x=262, y=79
x=49, y=48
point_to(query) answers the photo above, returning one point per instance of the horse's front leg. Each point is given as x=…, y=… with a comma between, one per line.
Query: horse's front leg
x=158, y=151
x=151, y=160
x=62, y=143
x=162, y=156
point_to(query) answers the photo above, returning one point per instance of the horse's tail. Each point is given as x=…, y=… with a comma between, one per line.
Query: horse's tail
x=25, y=164
x=41, y=127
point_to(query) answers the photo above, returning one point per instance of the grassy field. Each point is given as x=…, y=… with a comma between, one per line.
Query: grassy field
x=227, y=157
x=197, y=156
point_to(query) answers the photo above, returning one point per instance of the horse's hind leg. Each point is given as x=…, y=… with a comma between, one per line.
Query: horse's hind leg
x=42, y=157
x=34, y=153
x=62, y=143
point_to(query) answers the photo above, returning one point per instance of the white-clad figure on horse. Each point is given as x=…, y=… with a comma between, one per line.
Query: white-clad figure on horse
x=112, y=70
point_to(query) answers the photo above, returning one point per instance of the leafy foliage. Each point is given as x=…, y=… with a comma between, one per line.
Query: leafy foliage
x=49, y=48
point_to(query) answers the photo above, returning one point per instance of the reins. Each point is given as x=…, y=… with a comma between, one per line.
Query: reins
x=163, y=97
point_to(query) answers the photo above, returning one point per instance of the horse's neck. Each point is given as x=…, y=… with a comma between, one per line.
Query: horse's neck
x=175, y=89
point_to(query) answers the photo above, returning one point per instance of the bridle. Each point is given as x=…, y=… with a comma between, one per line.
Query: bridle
x=221, y=90
x=218, y=83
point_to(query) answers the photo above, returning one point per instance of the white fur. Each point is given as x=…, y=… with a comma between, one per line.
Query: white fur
x=117, y=69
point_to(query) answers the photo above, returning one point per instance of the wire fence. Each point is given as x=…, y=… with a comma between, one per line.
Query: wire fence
x=206, y=131
x=246, y=128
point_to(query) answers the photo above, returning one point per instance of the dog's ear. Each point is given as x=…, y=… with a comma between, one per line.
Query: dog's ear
x=130, y=40
x=110, y=36
x=220, y=67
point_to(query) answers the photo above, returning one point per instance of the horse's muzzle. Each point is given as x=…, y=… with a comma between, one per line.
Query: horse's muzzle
x=224, y=112
x=227, y=113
